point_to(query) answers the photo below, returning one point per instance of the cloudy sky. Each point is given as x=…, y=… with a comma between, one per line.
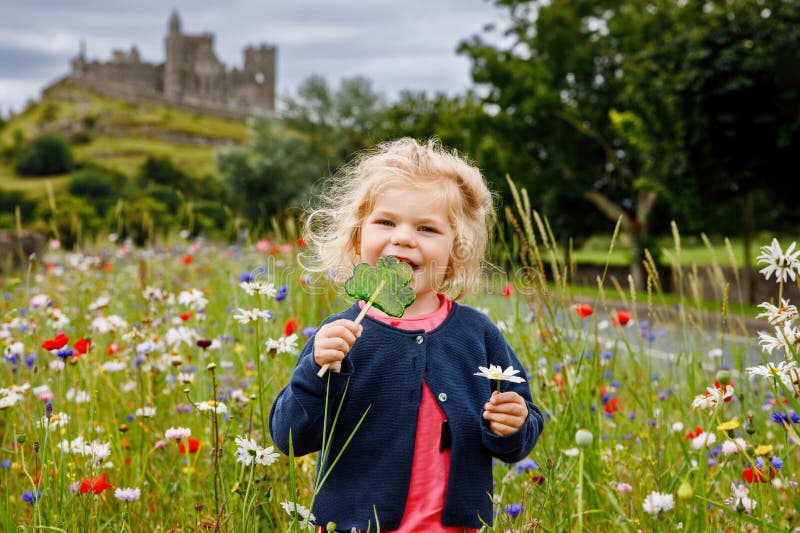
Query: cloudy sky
x=408, y=47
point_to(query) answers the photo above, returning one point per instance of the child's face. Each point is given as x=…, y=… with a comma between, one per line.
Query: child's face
x=412, y=225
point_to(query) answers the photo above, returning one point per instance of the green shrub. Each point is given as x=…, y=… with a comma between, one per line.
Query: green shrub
x=10, y=200
x=81, y=137
x=101, y=187
x=48, y=154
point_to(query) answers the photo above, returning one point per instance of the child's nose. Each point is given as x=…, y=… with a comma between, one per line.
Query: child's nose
x=402, y=236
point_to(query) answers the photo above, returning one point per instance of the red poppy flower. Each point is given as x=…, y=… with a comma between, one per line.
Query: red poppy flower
x=187, y=259
x=96, y=485
x=300, y=243
x=754, y=475
x=620, y=318
x=611, y=405
x=186, y=316
x=508, y=289
x=291, y=325
x=56, y=343
x=194, y=445
x=112, y=349
x=582, y=310
x=108, y=267
x=696, y=432
x=82, y=346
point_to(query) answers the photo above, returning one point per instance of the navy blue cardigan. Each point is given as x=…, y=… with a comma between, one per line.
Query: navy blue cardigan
x=383, y=373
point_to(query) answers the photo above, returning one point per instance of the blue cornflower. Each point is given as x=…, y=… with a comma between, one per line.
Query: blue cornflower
x=513, y=509
x=5, y=464
x=526, y=465
x=30, y=360
x=130, y=418
x=715, y=451
x=31, y=496
x=654, y=377
x=607, y=355
x=759, y=462
x=557, y=367
x=607, y=374
x=246, y=277
x=776, y=463
x=63, y=353
x=281, y=293
x=616, y=383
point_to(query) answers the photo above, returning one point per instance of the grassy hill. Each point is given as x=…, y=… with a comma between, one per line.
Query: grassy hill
x=116, y=134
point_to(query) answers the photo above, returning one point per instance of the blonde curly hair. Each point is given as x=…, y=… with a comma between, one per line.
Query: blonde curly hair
x=332, y=228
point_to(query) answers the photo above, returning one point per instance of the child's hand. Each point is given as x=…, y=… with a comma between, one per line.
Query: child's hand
x=333, y=341
x=506, y=412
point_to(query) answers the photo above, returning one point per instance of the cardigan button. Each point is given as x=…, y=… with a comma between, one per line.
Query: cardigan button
x=420, y=339
x=442, y=397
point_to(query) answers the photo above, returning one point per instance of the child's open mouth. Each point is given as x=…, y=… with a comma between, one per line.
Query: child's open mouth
x=410, y=262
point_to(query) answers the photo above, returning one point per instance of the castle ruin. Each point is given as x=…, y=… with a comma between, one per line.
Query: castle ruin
x=191, y=77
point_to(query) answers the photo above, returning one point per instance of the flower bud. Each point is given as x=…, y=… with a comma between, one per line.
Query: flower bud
x=211, y=367
x=330, y=526
x=20, y=438
x=685, y=491
x=583, y=438
x=724, y=377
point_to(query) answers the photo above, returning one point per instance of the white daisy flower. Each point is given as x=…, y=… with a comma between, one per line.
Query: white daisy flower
x=259, y=287
x=777, y=315
x=733, y=446
x=244, y=316
x=303, y=515
x=178, y=433
x=282, y=345
x=193, y=299
x=496, y=373
x=211, y=405
x=656, y=502
x=146, y=412
x=704, y=440
x=782, y=264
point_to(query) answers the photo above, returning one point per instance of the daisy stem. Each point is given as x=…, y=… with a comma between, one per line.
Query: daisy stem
x=580, y=490
x=215, y=443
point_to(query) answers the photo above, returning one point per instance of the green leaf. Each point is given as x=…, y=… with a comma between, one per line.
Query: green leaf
x=395, y=295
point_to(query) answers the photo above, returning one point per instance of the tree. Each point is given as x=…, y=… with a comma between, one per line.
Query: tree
x=739, y=93
x=48, y=154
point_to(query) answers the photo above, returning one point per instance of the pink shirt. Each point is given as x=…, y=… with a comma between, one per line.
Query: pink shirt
x=429, y=467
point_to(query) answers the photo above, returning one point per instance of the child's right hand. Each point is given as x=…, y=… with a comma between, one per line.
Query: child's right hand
x=333, y=341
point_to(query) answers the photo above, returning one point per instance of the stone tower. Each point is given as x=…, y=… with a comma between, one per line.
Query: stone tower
x=172, y=64
x=259, y=67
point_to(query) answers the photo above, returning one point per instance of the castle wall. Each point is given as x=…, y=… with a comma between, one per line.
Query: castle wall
x=140, y=76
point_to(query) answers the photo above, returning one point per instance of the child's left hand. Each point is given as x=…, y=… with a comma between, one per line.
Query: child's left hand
x=506, y=412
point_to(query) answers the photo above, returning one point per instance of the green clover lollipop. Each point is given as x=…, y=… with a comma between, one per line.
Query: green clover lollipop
x=385, y=286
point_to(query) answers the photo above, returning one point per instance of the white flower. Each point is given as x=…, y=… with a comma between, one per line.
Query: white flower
x=655, y=502
x=677, y=427
x=302, y=514
x=185, y=378
x=571, y=452
x=178, y=433
x=712, y=397
x=770, y=370
x=107, y=324
x=715, y=353
x=10, y=400
x=193, y=299
x=783, y=264
x=239, y=396
x=146, y=412
x=127, y=494
x=78, y=396
x=100, y=302
x=259, y=287
x=56, y=318
x=777, y=315
x=243, y=316
x=739, y=498
x=57, y=420
x=704, y=440
x=15, y=349
x=182, y=335
x=282, y=345
x=39, y=300
x=114, y=366
x=733, y=446
x=211, y=405
x=248, y=452
x=496, y=373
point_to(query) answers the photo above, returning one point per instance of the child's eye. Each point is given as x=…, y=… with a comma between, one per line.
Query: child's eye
x=384, y=222
x=427, y=228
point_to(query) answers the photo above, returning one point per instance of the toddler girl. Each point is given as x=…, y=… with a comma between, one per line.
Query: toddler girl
x=421, y=460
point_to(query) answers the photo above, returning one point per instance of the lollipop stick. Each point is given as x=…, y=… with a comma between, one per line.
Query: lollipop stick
x=357, y=321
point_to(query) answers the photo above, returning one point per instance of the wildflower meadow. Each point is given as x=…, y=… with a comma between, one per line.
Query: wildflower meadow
x=136, y=387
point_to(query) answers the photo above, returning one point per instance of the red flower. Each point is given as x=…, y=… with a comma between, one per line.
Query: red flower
x=56, y=343
x=508, y=289
x=694, y=433
x=300, y=243
x=187, y=259
x=611, y=405
x=582, y=310
x=95, y=486
x=112, y=349
x=620, y=318
x=752, y=475
x=108, y=267
x=194, y=445
x=291, y=325
x=82, y=346
x=186, y=316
